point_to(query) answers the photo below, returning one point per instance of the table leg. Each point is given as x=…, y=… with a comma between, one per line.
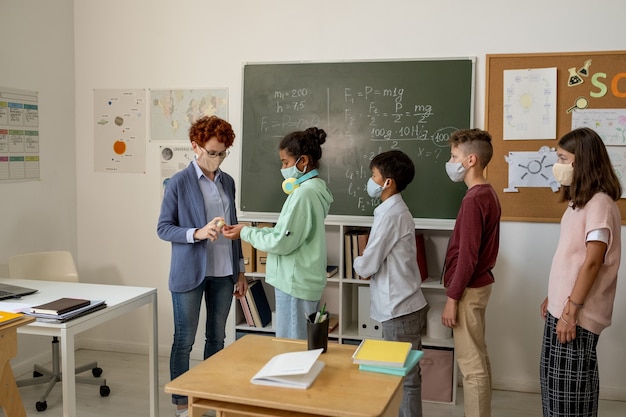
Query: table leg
x=67, y=370
x=153, y=358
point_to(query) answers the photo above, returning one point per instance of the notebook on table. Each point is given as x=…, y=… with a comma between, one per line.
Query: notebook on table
x=14, y=291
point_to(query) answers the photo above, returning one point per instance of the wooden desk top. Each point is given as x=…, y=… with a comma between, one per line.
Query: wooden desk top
x=17, y=323
x=340, y=389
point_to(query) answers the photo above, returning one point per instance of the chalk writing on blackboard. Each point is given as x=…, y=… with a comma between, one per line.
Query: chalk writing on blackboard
x=366, y=109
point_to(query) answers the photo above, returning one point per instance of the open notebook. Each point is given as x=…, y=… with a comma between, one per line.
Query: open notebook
x=290, y=370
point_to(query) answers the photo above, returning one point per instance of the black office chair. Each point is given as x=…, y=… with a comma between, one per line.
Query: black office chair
x=52, y=266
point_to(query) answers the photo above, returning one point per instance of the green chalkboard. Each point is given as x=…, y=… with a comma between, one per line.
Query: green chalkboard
x=365, y=107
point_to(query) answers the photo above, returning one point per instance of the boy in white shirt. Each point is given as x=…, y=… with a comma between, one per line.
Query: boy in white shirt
x=390, y=260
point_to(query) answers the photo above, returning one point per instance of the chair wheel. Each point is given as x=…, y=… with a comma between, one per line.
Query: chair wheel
x=96, y=372
x=41, y=405
x=104, y=390
x=37, y=374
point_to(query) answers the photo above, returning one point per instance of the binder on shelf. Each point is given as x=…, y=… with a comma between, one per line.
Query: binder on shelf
x=367, y=325
x=254, y=313
x=355, y=253
x=290, y=370
x=60, y=306
x=382, y=353
x=355, y=241
x=411, y=361
x=347, y=254
x=359, y=241
x=261, y=256
x=421, y=255
x=246, y=311
x=258, y=304
x=249, y=253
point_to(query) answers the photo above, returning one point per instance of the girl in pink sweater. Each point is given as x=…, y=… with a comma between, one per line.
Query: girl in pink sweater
x=583, y=276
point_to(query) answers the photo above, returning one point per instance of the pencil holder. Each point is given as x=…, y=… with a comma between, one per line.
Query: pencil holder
x=317, y=334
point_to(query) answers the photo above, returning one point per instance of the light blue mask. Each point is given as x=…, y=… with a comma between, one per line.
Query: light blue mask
x=292, y=171
x=374, y=190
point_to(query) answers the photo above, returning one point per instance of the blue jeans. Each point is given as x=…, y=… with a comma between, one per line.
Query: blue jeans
x=408, y=328
x=291, y=315
x=218, y=295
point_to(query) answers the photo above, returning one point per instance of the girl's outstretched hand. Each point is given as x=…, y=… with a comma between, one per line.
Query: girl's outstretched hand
x=232, y=232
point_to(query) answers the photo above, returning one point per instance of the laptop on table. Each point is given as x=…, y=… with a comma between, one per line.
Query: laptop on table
x=14, y=291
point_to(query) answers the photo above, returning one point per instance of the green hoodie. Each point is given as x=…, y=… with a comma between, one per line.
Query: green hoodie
x=296, y=245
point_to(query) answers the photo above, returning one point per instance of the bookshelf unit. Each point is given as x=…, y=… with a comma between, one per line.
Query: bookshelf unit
x=341, y=294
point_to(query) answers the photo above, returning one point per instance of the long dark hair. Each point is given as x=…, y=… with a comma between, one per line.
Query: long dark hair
x=593, y=171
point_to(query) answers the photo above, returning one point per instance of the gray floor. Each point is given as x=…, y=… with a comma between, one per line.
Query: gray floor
x=127, y=375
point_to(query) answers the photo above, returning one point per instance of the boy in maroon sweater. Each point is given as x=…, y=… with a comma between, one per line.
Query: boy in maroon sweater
x=470, y=257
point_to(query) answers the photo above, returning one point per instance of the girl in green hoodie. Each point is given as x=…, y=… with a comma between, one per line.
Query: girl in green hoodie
x=296, y=245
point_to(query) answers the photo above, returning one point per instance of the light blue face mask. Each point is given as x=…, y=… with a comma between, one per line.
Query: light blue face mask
x=292, y=171
x=374, y=190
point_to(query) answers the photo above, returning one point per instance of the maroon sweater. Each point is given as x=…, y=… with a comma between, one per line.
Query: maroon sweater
x=474, y=243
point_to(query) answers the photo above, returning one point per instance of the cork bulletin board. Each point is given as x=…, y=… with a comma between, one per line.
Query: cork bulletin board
x=591, y=80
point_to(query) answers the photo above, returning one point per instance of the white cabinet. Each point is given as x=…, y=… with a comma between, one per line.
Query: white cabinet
x=341, y=294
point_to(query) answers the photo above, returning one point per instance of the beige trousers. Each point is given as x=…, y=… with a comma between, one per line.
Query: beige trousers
x=471, y=351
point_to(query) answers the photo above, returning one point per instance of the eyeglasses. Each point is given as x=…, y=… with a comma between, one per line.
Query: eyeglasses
x=213, y=154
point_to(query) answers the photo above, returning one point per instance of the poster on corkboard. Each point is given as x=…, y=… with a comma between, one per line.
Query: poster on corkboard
x=587, y=86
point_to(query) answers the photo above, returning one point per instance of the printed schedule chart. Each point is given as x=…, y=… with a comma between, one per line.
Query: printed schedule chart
x=19, y=135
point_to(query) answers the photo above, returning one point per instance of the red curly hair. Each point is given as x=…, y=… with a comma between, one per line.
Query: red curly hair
x=208, y=127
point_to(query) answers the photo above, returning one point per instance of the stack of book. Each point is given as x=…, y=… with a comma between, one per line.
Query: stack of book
x=64, y=309
x=256, y=308
x=386, y=357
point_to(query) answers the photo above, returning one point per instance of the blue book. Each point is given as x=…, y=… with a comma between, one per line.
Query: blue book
x=411, y=360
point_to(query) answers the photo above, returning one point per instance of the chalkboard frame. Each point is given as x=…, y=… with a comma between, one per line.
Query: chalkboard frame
x=467, y=113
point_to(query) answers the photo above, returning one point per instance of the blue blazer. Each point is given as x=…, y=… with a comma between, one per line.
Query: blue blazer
x=182, y=209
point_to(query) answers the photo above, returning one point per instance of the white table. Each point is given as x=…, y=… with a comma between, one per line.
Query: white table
x=120, y=299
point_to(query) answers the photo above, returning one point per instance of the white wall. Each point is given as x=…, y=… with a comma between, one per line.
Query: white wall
x=201, y=44
x=37, y=53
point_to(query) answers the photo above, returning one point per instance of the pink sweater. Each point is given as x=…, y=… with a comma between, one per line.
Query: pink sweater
x=600, y=212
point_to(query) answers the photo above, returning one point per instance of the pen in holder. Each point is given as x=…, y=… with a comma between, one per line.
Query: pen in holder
x=317, y=331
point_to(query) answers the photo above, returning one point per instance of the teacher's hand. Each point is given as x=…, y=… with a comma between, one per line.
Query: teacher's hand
x=210, y=230
x=241, y=286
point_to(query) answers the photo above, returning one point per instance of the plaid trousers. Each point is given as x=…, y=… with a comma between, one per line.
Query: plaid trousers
x=569, y=373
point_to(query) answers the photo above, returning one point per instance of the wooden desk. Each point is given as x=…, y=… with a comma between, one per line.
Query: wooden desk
x=120, y=299
x=10, y=400
x=222, y=383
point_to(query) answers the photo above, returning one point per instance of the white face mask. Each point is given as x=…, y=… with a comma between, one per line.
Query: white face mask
x=456, y=171
x=563, y=173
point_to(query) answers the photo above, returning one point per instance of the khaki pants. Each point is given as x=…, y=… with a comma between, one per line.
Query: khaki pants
x=471, y=351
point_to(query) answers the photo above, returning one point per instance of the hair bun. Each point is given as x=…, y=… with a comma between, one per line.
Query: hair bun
x=318, y=134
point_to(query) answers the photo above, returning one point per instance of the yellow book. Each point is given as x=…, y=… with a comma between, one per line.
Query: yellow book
x=6, y=317
x=382, y=353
